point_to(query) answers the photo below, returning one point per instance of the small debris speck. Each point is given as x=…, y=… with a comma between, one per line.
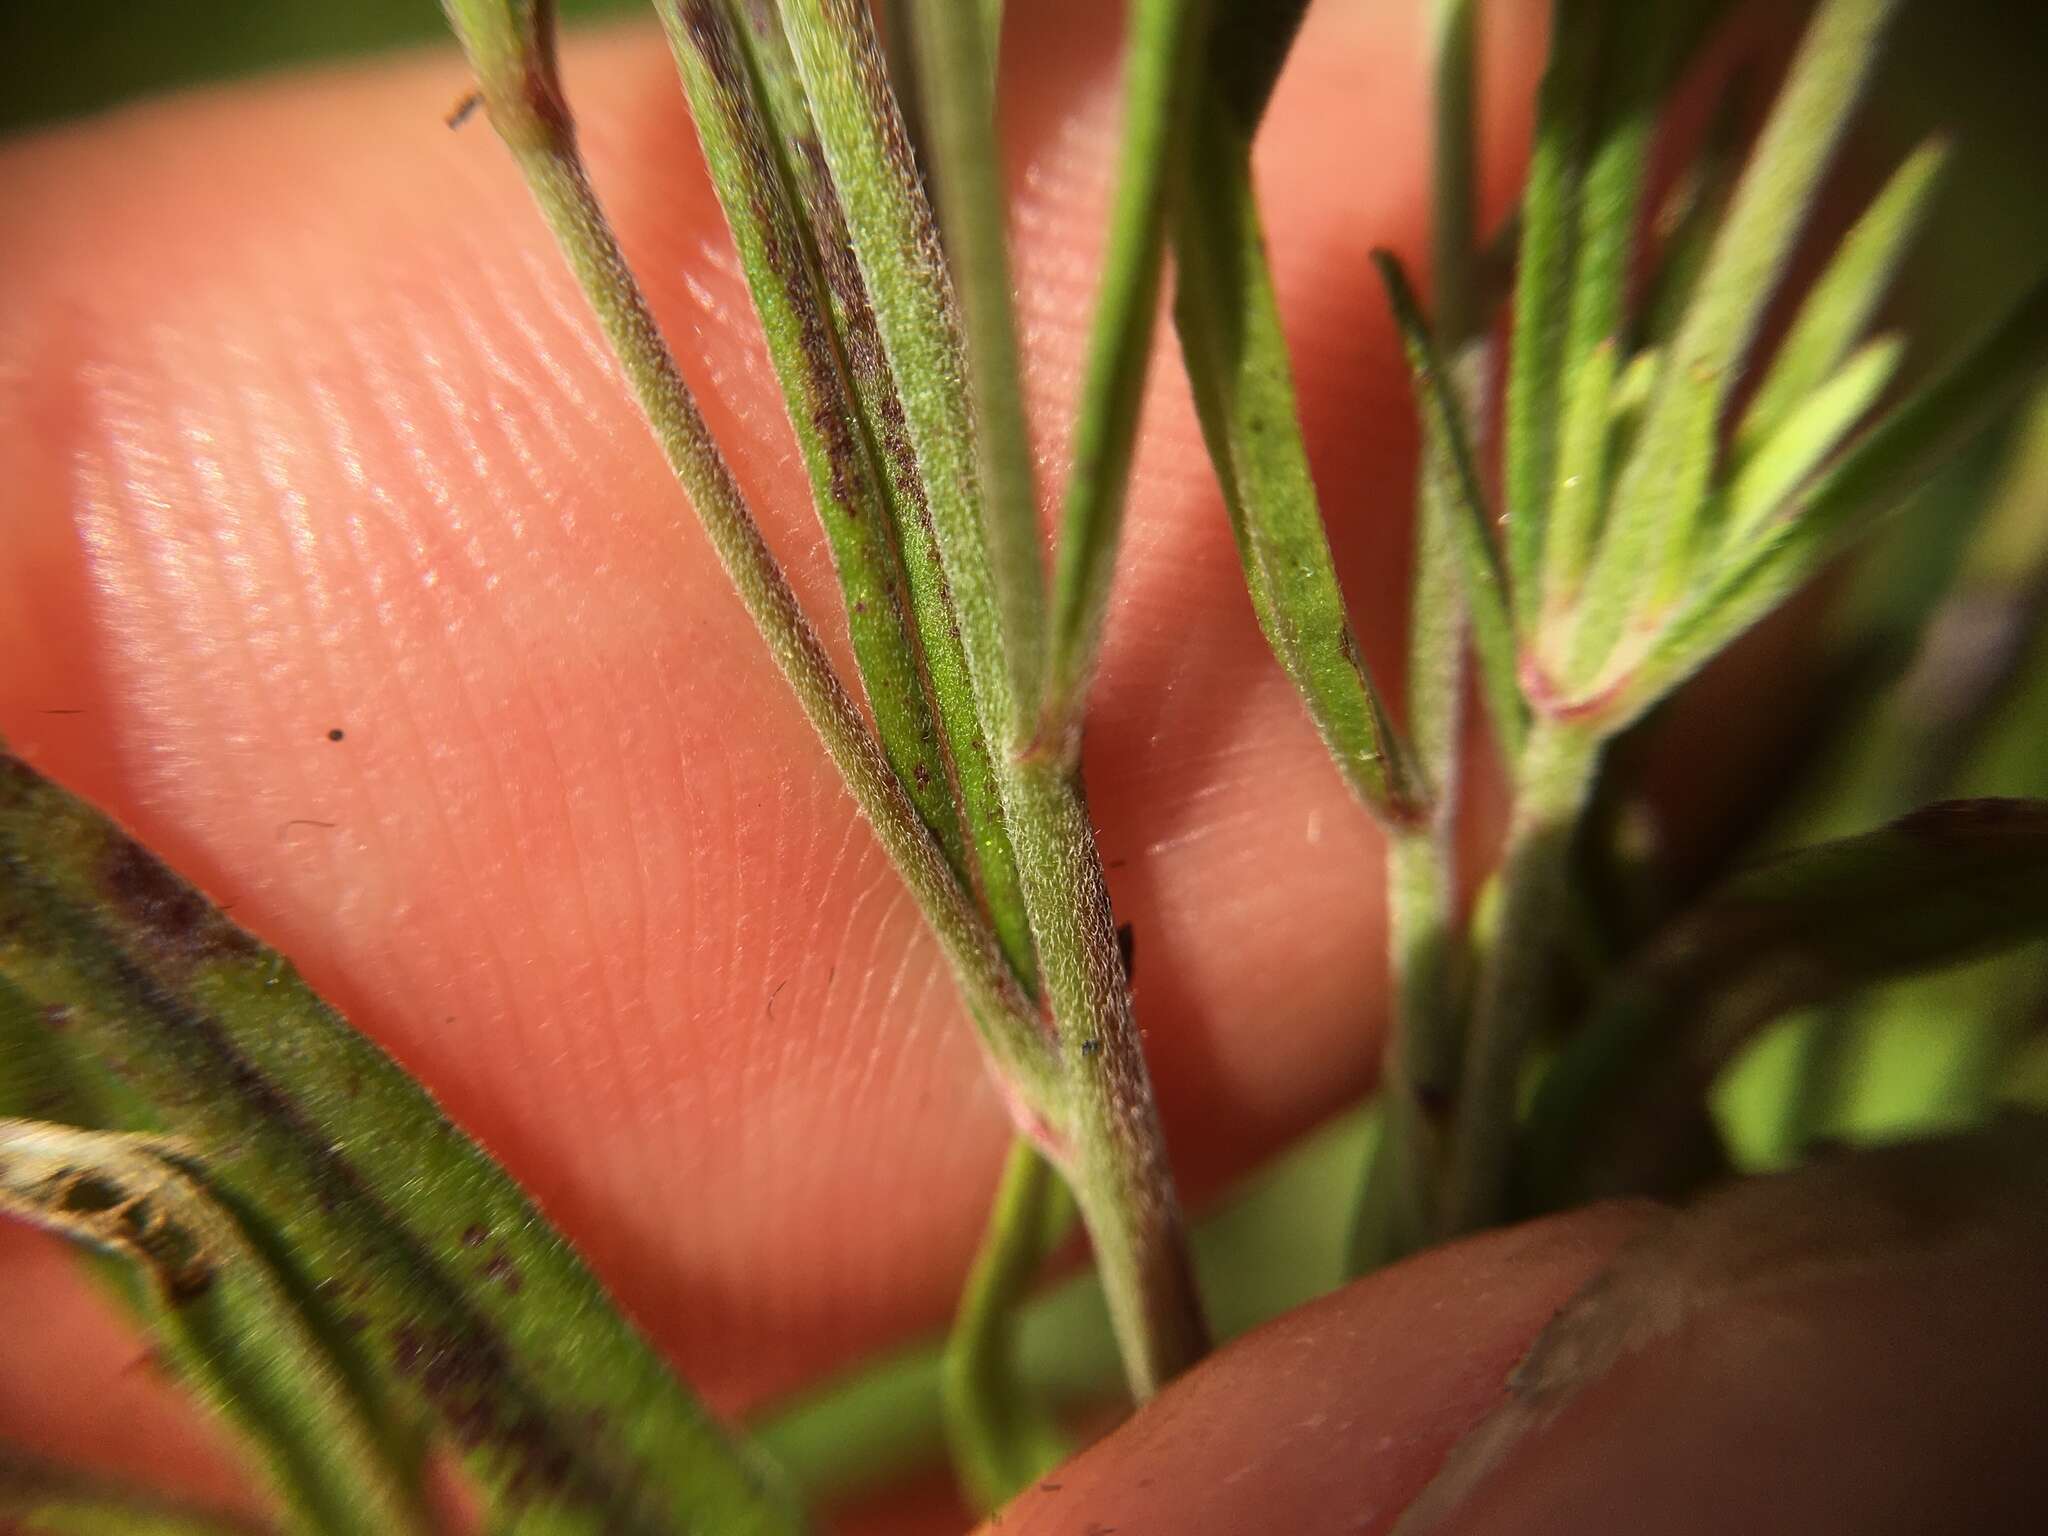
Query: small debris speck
x=336, y=734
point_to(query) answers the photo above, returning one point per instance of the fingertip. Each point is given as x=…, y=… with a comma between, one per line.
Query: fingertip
x=1328, y=1420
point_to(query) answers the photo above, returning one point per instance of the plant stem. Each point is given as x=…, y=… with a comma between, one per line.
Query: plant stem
x=1552, y=780
x=1419, y=1060
x=1418, y=1072
x=1116, y=1162
x=1001, y=1434
x=1105, y=1132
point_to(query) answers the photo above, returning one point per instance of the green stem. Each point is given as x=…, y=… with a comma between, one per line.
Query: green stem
x=1103, y=1129
x=1116, y=1162
x=1418, y=1075
x=1419, y=1061
x=1002, y=1435
x=1552, y=781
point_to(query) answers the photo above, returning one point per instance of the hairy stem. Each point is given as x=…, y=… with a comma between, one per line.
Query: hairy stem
x=1105, y=1134
x=1002, y=1436
x=1418, y=1072
x=1552, y=781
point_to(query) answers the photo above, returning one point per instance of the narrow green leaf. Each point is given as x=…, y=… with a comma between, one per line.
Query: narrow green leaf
x=1454, y=172
x=1833, y=315
x=1099, y=1104
x=992, y=38
x=750, y=169
x=1624, y=1109
x=1874, y=475
x=1486, y=597
x=456, y=1287
x=1228, y=318
x=1692, y=215
x=1611, y=195
x=1550, y=204
x=895, y=239
x=953, y=60
x=1003, y=1435
x=1774, y=468
x=1163, y=50
x=1650, y=531
x=1436, y=605
x=1632, y=391
x=881, y=411
x=1643, y=48
x=233, y=1325
x=1581, y=494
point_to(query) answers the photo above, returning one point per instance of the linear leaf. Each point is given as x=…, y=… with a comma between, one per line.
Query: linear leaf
x=1228, y=319
x=880, y=406
x=1692, y=215
x=1777, y=465
x=1436, y=606
x=1833, y=316
x=1454, y=172
x=1229, y=324
x=1002, y=1435
x=750, y=170
x=234, y=1327
x=1650, y=533
x=1874, y=475
x=1099, y=1092
x=1164, y=48
x=1486, y=596
x=1625, y=1107
x=459, y=1289
x=1643, y=48
x=953, y=60
x=1611, y=195
x=1581, y=491
x=895, y=239
x=1543, y=267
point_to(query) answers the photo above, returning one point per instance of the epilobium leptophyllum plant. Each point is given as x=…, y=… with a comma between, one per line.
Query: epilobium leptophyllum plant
x=1625, y=465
